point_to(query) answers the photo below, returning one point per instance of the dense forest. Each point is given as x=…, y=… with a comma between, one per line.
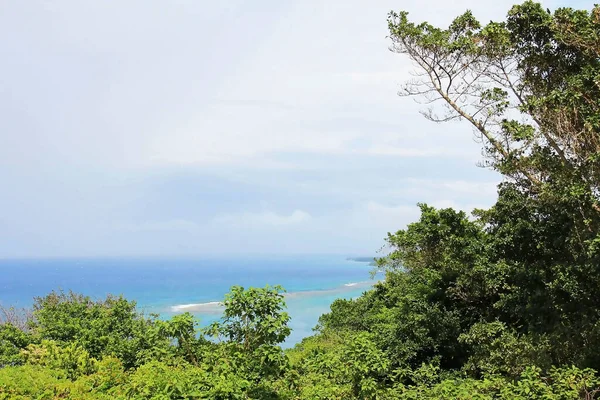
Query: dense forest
x=500, y=304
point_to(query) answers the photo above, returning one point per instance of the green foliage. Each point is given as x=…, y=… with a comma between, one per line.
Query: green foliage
x=30, y=382
x=12, y=340
x=446, y=284
x=79, y=348
x=254, y=325
x=156, y=380
x=502, y=304
x=106, y=327
x=72, y=360
x=254, y=317
x=183, y=328
x=563, y=384
x=497, y=349
x=530, y=86
x=108, y=377
x=364, y=365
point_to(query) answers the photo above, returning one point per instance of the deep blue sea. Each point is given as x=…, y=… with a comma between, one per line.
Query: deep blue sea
x=172, y=285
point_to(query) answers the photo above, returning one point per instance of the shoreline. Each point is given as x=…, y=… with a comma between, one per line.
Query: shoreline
x=214, y=307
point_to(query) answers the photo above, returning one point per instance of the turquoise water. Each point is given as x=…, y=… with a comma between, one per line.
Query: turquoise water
x=169, y=286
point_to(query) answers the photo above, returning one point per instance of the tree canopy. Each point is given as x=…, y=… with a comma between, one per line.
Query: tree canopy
x=499, y=304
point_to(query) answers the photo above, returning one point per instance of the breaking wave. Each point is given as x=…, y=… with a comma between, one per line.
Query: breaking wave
x=209, y=307
x=216, y=307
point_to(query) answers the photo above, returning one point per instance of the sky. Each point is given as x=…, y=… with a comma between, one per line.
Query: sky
x=154, y=128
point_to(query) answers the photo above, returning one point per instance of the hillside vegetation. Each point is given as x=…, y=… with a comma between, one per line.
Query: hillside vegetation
x=500, y=304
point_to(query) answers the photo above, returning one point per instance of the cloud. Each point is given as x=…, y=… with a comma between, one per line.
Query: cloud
x=300, y=111
x=427, y=188
x=92, y=95
x=263, y=219
x=180, y=225
x=384, y=212
x=381, y=150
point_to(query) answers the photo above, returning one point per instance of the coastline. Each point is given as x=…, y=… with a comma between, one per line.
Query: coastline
x=216, y=307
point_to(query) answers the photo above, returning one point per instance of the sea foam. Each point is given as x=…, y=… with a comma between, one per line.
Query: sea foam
x=216, y=307
x=209, y=307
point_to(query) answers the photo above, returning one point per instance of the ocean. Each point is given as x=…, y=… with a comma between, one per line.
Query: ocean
x=168, y=286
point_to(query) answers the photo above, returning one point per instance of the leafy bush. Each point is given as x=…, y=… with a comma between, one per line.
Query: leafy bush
x=502, y=304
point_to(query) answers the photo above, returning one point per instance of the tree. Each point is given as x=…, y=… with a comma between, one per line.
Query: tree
x=502, y=304
x=254, y=317
x=111, y=326
x=529, y=86
x=14, y=334
x=254, y=325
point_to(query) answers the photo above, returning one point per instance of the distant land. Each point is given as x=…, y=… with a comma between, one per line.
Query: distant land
x=370, y=260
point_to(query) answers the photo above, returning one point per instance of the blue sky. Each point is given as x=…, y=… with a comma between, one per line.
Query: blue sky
x=196, y=127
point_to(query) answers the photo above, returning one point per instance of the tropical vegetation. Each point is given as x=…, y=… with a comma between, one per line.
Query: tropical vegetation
x=503, y=303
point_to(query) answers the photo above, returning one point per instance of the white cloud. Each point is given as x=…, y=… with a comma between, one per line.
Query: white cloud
x=300, y=110
x=386, y=78
x=387, y=218
x=424, y=151
x=378, y=210
x=466, y=207
x=427, y=187
x=179, y=225
x=263, y=219
x=170, y=103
